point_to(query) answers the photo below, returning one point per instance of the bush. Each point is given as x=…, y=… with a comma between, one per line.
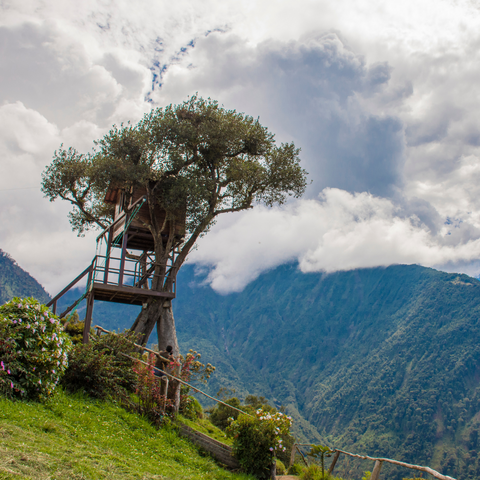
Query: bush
x=74, y=327
x=33, y=349
x=99, y=369
x=295, y=469
x=280, y=467
x=151, y=401
x=312, y=472
x=220, y=415
x=257, y=438
x=190, y=407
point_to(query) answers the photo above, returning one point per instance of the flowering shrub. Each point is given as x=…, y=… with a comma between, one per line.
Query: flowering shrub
x=257, y=439
x=151, y=401
x=192, y=370
x=33, y=349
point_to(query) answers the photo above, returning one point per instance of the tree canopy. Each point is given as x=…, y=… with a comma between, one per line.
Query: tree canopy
x=196, y=158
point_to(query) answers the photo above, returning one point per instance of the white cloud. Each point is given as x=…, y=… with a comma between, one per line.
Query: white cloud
x=340, y=231
x=381, y=96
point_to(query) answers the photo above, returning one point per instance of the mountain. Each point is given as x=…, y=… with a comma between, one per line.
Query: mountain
x=380, y=361
x=16, y=282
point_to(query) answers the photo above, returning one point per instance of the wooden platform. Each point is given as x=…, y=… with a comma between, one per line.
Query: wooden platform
x=126, y=294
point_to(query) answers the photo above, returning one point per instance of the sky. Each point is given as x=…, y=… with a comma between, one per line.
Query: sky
x=381, y=97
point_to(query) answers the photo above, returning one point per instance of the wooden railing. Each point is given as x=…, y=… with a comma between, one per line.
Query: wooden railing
x=377, y=466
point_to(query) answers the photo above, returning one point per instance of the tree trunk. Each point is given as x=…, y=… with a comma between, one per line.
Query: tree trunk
x=146, y=320
x=160, y=312
x=167, y=335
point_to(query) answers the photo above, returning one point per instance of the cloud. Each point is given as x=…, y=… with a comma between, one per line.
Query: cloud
x=340, y=231
x=307, y=90
x=382, y=98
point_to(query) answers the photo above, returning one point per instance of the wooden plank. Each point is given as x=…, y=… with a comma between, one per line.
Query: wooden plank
x=88, y=318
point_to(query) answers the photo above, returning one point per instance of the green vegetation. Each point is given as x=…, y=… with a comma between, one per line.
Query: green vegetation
x=16, y=282
x=257, y=438
x=380, y=361
x=72, y=436
x=33, y=349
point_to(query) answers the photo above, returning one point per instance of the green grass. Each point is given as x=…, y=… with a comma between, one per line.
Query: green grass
x=203, y=425
x=74, y=437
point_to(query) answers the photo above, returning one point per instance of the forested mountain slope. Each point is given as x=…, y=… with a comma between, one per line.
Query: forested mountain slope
x=383, y=361
x=15, y=282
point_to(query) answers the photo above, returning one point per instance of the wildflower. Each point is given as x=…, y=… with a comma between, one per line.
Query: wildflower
x=11, y=384
x=19, y=305
x=28, y=326
x=271, y=449
x=52, y=320
x=8, y=371
x=2, y=365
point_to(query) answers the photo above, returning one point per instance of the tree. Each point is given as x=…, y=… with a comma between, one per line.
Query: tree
x=196, y=161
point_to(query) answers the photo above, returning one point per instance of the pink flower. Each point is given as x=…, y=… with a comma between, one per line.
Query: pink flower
x=11, y=384
x=19, y=305
x=8, y=371
x=2, y=365
x=52, y=320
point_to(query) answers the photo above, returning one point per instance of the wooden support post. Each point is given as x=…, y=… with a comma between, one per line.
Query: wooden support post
x=376, y=470
x=122, y=259
x=164, y=390
x=334, y=461
x=107, y=259
x=292, y=456
x=88, y=317
x=54, y=309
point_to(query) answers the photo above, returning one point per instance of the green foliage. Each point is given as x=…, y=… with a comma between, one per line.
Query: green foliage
x=367, y=475
x=280, y=467
x=16, y=282
x=314, y=472
x=389, y=370
x=295, y=469
x=33, y=349
x=73, y=327
x=320, y=451
x=190, y=407
x=99, y=369
x=257, y=438
x=150, y=397
x=221, y=415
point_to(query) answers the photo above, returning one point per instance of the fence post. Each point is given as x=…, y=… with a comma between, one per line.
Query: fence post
x=376, y=470
x=334, y=461
x=292, y=456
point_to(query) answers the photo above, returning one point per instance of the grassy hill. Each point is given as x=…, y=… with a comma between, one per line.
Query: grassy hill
x=72, y=437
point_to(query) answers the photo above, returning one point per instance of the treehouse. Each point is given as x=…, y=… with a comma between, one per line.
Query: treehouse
x=124, y=267
x=138, y=233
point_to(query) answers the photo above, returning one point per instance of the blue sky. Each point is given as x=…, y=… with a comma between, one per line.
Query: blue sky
x=382, y=98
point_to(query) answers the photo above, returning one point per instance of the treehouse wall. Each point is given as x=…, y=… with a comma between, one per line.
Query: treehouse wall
x=139, y=234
